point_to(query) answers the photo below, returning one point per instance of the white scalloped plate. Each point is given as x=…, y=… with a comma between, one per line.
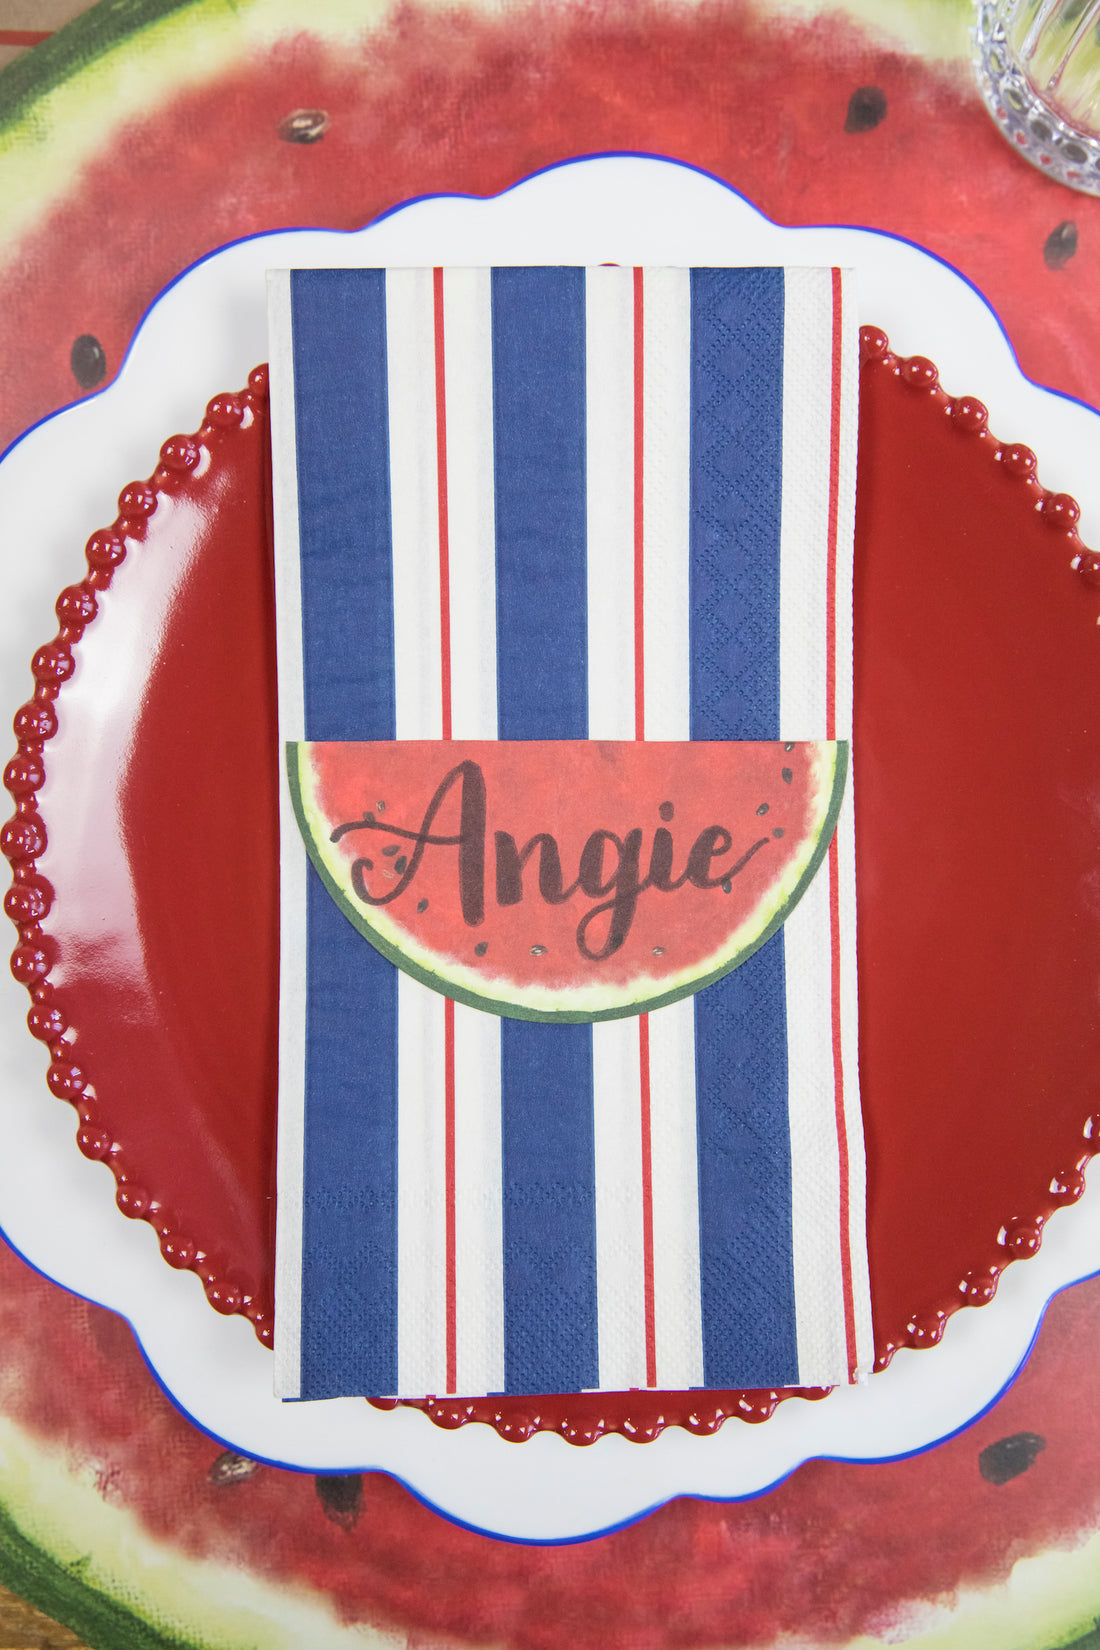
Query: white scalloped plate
x=204, y=334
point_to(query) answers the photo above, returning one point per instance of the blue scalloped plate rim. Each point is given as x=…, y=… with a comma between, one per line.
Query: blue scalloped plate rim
x=1076, y=1265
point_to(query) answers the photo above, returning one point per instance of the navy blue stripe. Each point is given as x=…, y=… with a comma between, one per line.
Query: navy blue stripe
x=349, y=1238
x=747, y=1275
x=541, y=510
x=349, y=1221
x=736, y=492
x=548, y=1146
x=745, y=1260
x=339, y=324
x=549, y=1196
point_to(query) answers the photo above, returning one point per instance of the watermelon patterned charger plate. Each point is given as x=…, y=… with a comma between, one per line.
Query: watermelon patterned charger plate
x=144, y=853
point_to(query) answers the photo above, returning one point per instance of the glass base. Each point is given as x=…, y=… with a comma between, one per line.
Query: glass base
x=1040, y=133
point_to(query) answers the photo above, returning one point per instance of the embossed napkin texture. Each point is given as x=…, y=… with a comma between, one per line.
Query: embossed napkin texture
x=567, y=504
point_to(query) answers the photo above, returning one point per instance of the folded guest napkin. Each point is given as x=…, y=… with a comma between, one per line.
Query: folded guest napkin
x=556, y=504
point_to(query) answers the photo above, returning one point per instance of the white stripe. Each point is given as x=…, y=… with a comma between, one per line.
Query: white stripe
x=846, y=500
x=292, y=862
x=479, y=1238
x=804, y=522
x=667, y=502
x=609, y=457
x=678, y=1314
x=666, y=484
x=620, y=1249
x=414, y=508
x=619, y=1252
x=479, y=1235
x=284, y=498
x=815, y=1167
x=421, y=1192
x=609, y=390
x=468, y=355
x=414, y=502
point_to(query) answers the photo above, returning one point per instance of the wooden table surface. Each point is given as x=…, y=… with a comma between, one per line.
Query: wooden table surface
x=22, y=1627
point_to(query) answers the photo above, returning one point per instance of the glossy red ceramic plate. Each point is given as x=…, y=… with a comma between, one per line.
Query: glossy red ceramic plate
x=979, y=893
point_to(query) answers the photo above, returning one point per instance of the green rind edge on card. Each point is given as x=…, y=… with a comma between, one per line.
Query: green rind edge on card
x=514, y=1011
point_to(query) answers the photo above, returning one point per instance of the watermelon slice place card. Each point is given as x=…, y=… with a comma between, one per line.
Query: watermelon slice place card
x=569, y=1093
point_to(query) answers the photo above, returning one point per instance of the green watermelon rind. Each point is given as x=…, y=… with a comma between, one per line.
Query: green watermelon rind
x=62, y=1592
x=97, y=1552
x=87, y=38
x=436, y=980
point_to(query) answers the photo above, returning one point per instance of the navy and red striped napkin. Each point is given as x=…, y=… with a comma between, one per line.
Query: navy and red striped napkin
x=565, y=504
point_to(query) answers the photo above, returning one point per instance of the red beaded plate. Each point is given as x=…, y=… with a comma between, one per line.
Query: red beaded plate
x=979, y=884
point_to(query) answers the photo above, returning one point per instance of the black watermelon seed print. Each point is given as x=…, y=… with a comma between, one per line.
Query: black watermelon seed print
x=88, y=361
x=866, y=107
x=999, y=1463
x=1060, y=245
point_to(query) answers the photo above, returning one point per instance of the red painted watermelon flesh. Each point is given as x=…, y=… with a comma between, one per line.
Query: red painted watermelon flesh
x=567, y=880
x=471, y=99
x=839, y=1552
